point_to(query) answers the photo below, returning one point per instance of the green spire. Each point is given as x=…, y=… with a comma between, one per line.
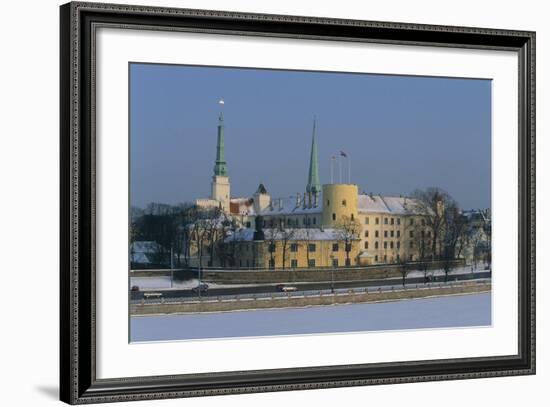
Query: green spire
x=313, y=184
x=220, y=167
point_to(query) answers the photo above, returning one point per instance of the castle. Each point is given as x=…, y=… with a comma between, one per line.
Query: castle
x=326, y=225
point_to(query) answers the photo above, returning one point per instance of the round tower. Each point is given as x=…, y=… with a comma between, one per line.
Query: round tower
x=339, y=201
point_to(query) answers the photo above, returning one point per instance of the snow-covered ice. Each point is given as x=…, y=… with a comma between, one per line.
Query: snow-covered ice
x=440, y=312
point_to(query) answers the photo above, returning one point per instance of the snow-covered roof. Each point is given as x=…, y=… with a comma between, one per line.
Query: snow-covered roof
x=397, y=205
x=287, y=206
x=241, y=206
x=144, y=246
x=308, y=234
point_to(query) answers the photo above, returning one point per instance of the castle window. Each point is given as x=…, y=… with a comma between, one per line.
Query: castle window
x=334, y=262
x=293, y=263
x=311, y=263
x=391, y=233
x=411, y=221
x=411, y=233
x=391, y=245
x=367, y=220
x=328, y=202
x=352, y=217
x=385, y=233
x=376, y=258
x=348, y=247
x=385, y=221
x=366, y=233
x=398, y=245
x=376, y=220
x=311, y=247
x=335, y=247
x=392, y=220
x=314, y=221
x=366, y=245
x=385, y=245
x=398, y=233
x=376, y=233
x=294, y=247
x=333, y=216
x=398, y=221
x=411, y=244
x=344, y=203
x=376, y=245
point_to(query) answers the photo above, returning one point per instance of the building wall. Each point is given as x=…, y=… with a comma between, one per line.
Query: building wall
x=339, y=201
x=221, y=191
x=323, y=254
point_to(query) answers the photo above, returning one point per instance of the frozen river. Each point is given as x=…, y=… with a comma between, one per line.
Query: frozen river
x=440, y=312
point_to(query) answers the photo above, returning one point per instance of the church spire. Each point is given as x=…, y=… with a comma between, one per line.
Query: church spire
x=220, y=168
x=313, y=184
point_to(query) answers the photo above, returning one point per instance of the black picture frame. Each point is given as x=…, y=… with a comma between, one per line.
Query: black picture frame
x=78, y=382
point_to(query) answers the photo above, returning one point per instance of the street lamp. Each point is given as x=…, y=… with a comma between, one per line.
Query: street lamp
x=332, y=273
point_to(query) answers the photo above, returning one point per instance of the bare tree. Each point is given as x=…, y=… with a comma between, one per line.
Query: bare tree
x=431, y=205
x=347, y=231
x=271, y=237
x=285, y=237
x=453, y=237
x=422, y=243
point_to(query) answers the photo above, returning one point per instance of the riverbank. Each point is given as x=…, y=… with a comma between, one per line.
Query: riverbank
x=353, y=296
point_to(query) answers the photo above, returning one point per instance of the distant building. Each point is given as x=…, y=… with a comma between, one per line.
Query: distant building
x=144, y=253
x=383, y=227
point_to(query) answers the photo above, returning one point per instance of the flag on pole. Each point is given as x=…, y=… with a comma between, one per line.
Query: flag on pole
x=343, y=154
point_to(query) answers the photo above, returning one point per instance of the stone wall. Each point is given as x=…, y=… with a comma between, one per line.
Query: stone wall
x=309, y=275
x=351, y=297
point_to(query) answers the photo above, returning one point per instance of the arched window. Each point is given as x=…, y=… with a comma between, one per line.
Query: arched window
x=333, y=216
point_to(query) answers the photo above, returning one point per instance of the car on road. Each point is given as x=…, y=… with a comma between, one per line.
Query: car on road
x=200, y=288
x=152, y=295
x=286, y=288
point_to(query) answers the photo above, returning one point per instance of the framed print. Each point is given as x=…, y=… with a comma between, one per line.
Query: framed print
x=255, y=203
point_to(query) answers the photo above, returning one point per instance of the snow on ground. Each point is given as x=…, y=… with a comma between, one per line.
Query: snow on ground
x=155, y=283
x=440, y=312
x=441, y=272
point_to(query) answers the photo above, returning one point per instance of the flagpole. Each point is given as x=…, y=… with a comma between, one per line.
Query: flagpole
x=349, y=169
x=340, y=167
x=332, y=170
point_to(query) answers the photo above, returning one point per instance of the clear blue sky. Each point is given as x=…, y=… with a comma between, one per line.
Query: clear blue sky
x=401, y=132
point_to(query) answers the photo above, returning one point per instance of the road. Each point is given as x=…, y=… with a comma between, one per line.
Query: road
x=310, y=286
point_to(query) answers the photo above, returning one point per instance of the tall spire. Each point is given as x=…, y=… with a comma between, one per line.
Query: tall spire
x=220, y=168
x=313, y=184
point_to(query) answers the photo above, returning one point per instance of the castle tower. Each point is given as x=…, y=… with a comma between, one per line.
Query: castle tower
x=339, y=202
x=313, y=184
x=220, y=181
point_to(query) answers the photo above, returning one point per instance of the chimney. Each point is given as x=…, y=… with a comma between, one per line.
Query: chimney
x=297, y=199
